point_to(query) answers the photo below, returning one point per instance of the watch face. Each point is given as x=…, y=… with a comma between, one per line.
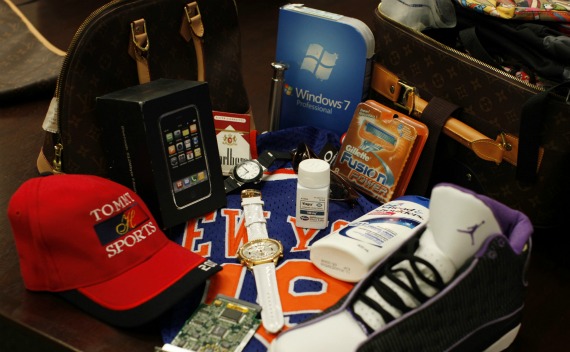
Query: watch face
x=261, y=250
x=248, y=171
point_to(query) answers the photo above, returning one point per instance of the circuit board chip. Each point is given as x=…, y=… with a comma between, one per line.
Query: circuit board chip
x=232, y=314
x=223, y=326
x=219, y=331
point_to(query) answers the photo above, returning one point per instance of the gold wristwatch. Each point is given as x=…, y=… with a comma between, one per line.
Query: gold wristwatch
x=260, y=251
x=260, y=254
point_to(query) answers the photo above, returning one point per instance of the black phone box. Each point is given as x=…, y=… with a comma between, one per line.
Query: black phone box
x=160, y=141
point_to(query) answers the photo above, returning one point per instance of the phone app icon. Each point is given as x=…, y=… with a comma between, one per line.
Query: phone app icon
x=189, y=155
x=201, y=175
x=171, y=150
x=197, y=152
x=177, y=134
x=195, y=140
x=173, y=161
x=181, y=158
x=187, y=144
x=179, y=184
x=187, y=181
x=193, y=128
x=169, y=137
x=185, y=132
x=179, y=146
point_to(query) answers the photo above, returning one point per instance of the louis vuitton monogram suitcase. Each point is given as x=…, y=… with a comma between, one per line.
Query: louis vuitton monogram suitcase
x=493, y=103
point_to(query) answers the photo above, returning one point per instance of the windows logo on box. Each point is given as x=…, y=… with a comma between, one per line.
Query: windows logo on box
x=319, y=62
x=329, y=58
x=288, y=89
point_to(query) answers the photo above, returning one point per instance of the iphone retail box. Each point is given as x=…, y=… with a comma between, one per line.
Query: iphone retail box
x=160, y=141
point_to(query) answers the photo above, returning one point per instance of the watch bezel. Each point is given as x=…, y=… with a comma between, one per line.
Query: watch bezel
x=251, y=262
x=255, y=179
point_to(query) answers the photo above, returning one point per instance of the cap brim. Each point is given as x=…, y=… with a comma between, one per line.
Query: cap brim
x=144, y=292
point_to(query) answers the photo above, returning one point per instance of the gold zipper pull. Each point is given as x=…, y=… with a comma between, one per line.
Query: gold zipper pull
x=56, y=163
x=508, y=146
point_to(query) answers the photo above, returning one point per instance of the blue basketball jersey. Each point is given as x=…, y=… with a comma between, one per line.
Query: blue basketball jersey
x=304, y=289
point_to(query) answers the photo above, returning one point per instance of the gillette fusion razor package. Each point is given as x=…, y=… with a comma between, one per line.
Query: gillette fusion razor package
x=380, y=150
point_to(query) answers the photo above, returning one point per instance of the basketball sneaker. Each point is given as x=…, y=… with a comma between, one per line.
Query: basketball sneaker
x=457, y=284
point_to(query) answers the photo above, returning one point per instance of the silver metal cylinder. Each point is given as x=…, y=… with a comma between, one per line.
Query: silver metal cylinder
x=276, y=94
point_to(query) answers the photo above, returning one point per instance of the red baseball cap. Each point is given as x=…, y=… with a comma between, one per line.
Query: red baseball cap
x=95, y=242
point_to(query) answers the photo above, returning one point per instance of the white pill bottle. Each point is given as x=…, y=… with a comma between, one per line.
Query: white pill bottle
x=313, y=185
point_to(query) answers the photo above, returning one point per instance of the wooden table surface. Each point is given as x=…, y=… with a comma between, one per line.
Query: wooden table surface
x=29, y=320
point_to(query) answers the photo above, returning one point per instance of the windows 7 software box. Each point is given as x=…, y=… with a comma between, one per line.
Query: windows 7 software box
x=328, y=58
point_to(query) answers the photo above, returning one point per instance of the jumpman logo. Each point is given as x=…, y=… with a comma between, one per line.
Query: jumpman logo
x=471, y=231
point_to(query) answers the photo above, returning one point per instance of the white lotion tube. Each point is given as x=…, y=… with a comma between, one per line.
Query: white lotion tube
x=348, y=253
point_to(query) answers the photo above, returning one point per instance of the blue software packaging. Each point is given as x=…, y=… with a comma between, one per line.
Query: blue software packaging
x=329, y=58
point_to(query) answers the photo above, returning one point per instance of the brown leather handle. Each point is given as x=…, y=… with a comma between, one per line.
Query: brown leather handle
x=139, y=49
x=504, y=147
x=192, y=28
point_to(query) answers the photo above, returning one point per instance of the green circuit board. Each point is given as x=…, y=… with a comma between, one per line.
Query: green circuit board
x=226, y=324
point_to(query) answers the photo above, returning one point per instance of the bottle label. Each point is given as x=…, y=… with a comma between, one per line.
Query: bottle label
x=393, y=219
x=312, y=209
x=378, y=231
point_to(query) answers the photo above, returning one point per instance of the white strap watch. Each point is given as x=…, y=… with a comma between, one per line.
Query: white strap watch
x=260, y=255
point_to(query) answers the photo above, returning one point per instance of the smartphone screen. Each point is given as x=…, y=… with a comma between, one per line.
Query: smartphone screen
x=185, y=156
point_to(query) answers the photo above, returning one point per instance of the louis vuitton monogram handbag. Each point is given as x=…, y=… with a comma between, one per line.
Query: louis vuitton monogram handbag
x=129, y=42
